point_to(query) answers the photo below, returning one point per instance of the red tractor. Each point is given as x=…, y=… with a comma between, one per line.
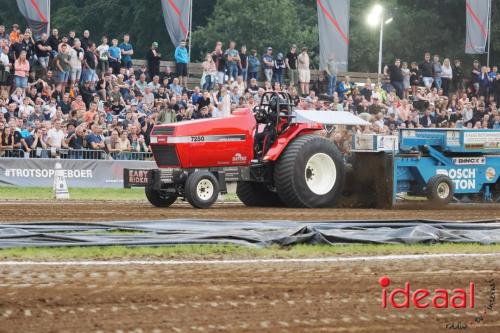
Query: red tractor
x=273, y=153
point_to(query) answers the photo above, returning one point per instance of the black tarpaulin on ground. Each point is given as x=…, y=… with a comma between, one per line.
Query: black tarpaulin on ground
x=258, y=233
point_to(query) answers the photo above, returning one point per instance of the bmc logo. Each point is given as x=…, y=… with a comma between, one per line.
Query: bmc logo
x=423, y=298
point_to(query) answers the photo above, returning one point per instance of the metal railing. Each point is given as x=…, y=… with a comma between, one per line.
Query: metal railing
x=76, y=154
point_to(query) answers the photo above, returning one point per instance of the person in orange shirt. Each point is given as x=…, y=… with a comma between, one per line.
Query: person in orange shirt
x=88, y=116
x=14, y=35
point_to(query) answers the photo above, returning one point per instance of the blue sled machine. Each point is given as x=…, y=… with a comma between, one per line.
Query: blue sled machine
x=440, y=164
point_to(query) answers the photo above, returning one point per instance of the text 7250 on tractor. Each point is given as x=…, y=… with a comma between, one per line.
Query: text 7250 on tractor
x=272, y=152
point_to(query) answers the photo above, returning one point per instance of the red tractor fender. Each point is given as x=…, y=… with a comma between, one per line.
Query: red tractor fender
x=284, y=139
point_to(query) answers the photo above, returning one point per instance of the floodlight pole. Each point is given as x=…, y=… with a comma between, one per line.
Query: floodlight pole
x=489, y=33
x=380, y=45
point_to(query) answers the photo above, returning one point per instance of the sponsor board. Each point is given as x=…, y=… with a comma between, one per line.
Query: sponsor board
x=482, y=140
x=463, y=178
x=469, y=160
x=40, y=172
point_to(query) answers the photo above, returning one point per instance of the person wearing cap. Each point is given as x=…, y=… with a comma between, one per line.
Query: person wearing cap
x=181, y=63
x=14, y=34
x=253, y=66
x=291, y=65
x=279, y=68
x=304, y=71
x=153, y=58
x=268, y=61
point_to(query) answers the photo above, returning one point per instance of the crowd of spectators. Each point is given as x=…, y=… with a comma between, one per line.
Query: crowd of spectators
x=66, y=93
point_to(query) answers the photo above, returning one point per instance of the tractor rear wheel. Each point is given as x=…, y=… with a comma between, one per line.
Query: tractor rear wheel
x=158, y=198
x=440, y=190
x=257, y=195
x=201, y=189
x=310, y=173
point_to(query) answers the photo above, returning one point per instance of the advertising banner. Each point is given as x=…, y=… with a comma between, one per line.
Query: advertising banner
x=78, y=173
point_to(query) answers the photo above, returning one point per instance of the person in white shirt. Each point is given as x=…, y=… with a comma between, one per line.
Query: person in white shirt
x=103, y=51
x=55, y=136
x=76, y=54
x=4, y=58
x=446, y=76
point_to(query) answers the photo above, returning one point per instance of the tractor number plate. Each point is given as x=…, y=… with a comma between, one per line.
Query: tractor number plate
x=197, y=139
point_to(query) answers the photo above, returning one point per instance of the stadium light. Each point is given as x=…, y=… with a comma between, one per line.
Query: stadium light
x=375, y=18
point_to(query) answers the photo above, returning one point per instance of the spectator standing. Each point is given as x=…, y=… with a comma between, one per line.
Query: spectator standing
x=291, y=65
x=115, y=56
x=268, y=62
x=253, y=65
x=103, y=52
x=63, y=65
x=279, y=68
x=76, y=55
x=21, y=71
x=406, y=78
x=427, y=71
x=166, y=116
x=304, y=71
x=90, y=64
x=181, y=63
x=4, y=58
x=153, y=58
x=209, y=73
x=53, y=42
x=243, y=64
x=437, y=72
x=331, y=72
x=42, y=51
x=396, y=77
x=127, y=52
x=15, y=34
x=232, y=58
x=86, y=39
x=220, y=63
x=446, y=76
x=458, y=76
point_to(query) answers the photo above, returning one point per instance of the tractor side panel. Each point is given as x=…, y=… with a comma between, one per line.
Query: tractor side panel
x=215, y=142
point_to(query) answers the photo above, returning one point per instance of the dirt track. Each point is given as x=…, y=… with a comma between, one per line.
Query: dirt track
x=282, y=297
x=107, y=211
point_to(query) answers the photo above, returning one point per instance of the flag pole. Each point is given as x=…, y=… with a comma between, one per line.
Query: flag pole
x=190, y=25
x=489, y=33
x=48, y=23
x=189, y=36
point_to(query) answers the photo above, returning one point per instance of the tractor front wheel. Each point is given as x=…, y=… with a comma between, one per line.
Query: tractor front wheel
x=310, y=173
x=158, y=198
x=201, y=189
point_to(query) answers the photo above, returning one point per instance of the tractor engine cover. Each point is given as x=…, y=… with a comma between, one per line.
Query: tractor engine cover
x=205, y=143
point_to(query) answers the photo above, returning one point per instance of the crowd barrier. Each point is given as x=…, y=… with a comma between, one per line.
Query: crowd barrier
x=78, y=154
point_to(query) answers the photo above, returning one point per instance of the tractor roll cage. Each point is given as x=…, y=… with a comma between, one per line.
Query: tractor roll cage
x=271, y=104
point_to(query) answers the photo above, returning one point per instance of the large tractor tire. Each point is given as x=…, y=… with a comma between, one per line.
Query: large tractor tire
x=310, y=173
x=160, y=199
x=257, y=195
x=201, y=189
x=440, y=190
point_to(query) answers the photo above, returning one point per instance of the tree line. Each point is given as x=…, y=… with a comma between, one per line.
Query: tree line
x=437, y=26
